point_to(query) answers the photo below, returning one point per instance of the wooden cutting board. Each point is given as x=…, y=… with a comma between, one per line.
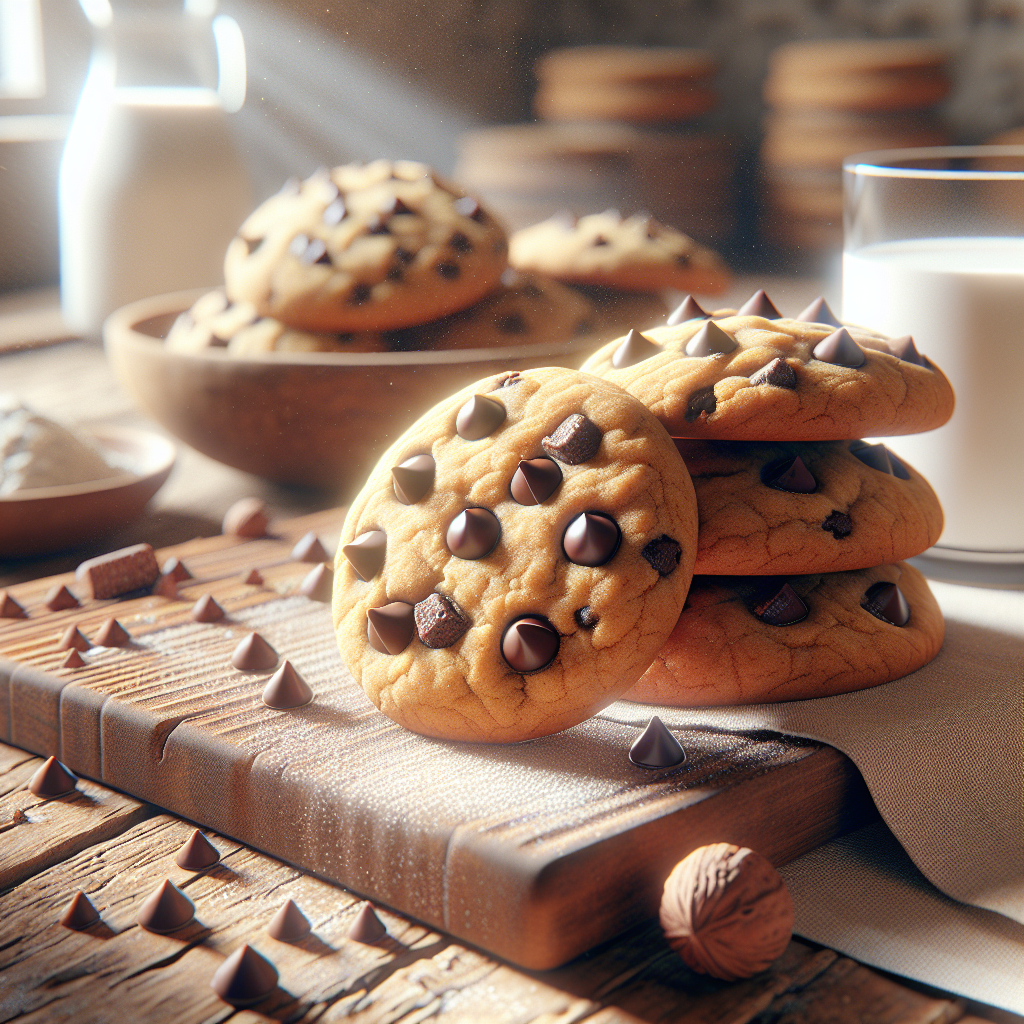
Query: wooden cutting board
x=536, y=851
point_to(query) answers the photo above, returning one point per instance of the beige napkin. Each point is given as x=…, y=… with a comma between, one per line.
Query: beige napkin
x=941, y=750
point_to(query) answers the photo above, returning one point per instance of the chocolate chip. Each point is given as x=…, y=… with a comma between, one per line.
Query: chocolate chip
x=366, y=553
x=404, y=256
x=530, y=644
x=777, y=374
x=886, y=602
x=664, y=554
x=438, y=622
x=789, y=474
x=710, y=340
x=73, y=637
x=254, y=579
x=412, y=478
x=389, y=628
x=334, y=212
x=591, y=539
x=701, y=401
x=599, y=240
x=11, y=609
x=309, y=549
x=479, y=417
x=286, y=690
x=52, y=779
x=818, y=312
x=512, y=324
x=166, y=909
x=688, y=309
x=535, y=481
x=779, y=605
x=176, y=569
x=449, y=271
x=206, y=609
x=245, y=977
x=874, y=455
x=656, y=747
x=634, y=349
x=80, y=913
x=460, y=243
x=289, y=924
x=586, y=617
x=576, y=439
x=318, y=584
x=840, y=349
x=112, y=634
x=252, y=244
x=473, y=533
x=839, y=524
x=360, y=293
x=367, y=928
x=73, y=660
x=57, y=599
x=166, y=586
x=254, y=654
x=759, y=305
x=683, y=259
x=467, y=206
x=395, y=274
x=197, y=853
x=905, y=349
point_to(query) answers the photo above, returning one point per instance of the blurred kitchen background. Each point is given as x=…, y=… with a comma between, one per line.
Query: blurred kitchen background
x=472, y=87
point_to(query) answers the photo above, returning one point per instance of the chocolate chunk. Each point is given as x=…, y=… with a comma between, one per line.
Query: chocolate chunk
x=289, y=924
x=166, y=909
x=586, y=617
x=367, y=928
x=711, y=340
x=508, y=380
x=412, y=478
x=573, y=441
x=318, y=584
x=286, y=689
x=789, y=474
x=874, y=455
x=591, y=539
x=309, y=549
x=905, y=349
x=512, y=324
x=635, y=349
x=656, y=747
x=119, y=572
x=176, y=569
x=779, y=605
x=473, y=533
x=197, y=853
x=246, y=518
x=112, y=634
x=818, y=312
x=389, y=628
x=530, y=644
x=206, y=609
x=886, y=602
x=839, y=524
x=10, y=609
x=79, y=913
x=688, y=309
x=898, y=469
x=57, y=599
x=664, y=554
x=535, y=481
x=840, y=349
x=254, y=579
x=73, y=637
x=254, y=654
x=703, y=400
x=335, y=212
x=759, y=305
x=467, y=206
x=460, y=243
x=479, y=417
x=245, y=977
x=777, y=374
x=73, y=660
x=52, y=779
x=438, y=622
x=366, y=553
x=360, y=293
x=449, y=271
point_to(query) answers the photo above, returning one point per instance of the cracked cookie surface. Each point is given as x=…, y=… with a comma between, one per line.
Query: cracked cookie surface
x=722, y=653
x=370, y=247
x=764, y=382
x=521, y=553
x=843, y=505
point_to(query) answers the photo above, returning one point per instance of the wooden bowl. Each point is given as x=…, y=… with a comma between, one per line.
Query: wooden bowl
x=319, y=419
x=45, y=519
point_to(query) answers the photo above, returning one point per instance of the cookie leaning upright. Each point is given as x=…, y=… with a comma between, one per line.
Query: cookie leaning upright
x=368, y=247
x=516, y=559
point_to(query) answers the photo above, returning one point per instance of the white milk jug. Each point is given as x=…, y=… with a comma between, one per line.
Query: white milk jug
x=151, y=187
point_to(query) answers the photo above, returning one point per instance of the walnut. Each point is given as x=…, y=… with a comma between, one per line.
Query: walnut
x=726, y=912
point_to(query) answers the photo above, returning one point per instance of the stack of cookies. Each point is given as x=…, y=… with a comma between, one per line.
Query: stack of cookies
x=829, y=100
x=380, y=257
x=802, y=589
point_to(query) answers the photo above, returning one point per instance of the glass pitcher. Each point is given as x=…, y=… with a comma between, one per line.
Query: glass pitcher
x=151, y=187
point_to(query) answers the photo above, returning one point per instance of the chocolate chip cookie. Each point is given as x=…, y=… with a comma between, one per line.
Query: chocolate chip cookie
x=516, y=559
x=799, y=507
x=632, y=253
x=370, y=247
x=759, y=376
x=749, y=640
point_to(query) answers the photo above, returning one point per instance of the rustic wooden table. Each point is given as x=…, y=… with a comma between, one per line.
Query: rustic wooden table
x=119, y=849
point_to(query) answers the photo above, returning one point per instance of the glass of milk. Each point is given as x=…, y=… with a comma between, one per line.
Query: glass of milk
x=934, y=248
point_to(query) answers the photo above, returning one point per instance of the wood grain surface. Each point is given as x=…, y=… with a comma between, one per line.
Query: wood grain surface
x=537, y=851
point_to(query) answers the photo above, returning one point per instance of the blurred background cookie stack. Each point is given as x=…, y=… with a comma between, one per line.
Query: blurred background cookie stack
x=828, y=100
x=621, y=126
